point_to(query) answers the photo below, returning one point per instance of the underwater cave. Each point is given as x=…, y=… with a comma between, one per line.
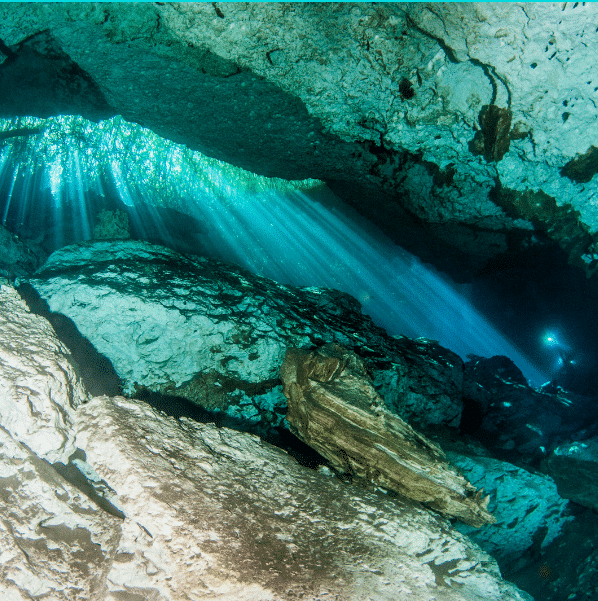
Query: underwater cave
x=190, y=191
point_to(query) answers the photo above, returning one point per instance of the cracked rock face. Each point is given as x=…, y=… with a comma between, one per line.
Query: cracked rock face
x=203, y=512
x=437, y=120
x=172, y=317
x=54, y=542
x=40, y=389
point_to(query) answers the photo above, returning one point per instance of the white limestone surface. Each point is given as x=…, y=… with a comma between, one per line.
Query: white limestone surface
x=218, y=514
x=55, y=544
x=39, y=388
x=540, y=57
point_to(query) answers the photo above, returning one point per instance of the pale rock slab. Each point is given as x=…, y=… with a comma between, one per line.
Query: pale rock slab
x=217, y=514
x=54, y=542
x=40, y=388
x=171, y=317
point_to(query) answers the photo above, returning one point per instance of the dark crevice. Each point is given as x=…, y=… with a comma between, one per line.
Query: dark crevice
x=450, y=54
x=7, y=52
x=179, y=406
x=97, y=492
x=39, y=78
x=583, y=167
x=471, y=416
x=94, y=369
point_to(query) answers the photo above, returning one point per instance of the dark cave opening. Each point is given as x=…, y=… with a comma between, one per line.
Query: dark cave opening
x=536, y=294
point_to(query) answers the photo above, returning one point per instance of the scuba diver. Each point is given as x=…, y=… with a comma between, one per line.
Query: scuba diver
x=565, y=375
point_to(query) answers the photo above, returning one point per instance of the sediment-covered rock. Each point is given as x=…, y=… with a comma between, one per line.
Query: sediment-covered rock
x=219, y=512
x=334, y=409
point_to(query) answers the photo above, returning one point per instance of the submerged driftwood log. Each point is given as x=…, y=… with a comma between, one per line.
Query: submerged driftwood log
x=334, y=409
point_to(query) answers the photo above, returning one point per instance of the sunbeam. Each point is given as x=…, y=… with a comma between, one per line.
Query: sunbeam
x=313, y=240
x=56, y=183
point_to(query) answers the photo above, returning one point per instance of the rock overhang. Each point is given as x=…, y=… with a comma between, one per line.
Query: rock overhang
x=382, y=102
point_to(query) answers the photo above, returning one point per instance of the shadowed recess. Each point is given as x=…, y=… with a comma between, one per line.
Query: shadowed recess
x=96, y=370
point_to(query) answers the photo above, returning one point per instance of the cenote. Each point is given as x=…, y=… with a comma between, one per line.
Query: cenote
x=298, y=300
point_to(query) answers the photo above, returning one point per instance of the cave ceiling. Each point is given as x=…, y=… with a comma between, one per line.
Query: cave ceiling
x=466, y=131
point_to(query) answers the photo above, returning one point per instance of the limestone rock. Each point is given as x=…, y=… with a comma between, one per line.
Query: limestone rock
x=40, y=388
x=205, y=512
x=574, y=467
x=423, y=383
x=172, y=317
x=222, y=514
x=54, y=542
x=198, y=511
x=528, y=509
x=215, y=334
x=370, y=98
x=334, y=409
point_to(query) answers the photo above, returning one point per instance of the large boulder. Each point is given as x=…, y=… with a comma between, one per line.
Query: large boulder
x=213, y=333
x=334, y=408
x=219, y=512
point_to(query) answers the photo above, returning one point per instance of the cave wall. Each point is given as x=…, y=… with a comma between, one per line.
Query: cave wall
x=465, y=130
